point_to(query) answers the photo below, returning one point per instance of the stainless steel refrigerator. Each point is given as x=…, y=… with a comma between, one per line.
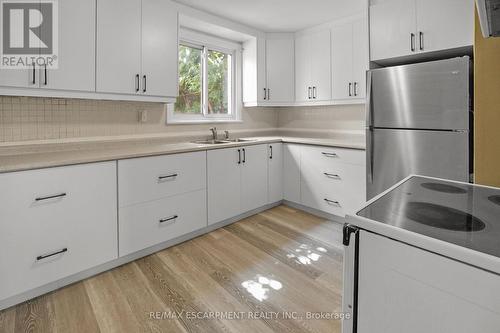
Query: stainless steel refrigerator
x=419, y=121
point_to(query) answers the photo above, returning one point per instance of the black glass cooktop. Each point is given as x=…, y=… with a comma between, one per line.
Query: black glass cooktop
x=462, y=214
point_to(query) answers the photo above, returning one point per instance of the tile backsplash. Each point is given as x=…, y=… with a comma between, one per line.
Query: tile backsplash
x=24, y=119
x=37, y=119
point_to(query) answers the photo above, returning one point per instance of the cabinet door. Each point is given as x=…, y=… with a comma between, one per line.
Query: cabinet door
x=280, y=68
x=76, y=48
x=159, y=48
x=359, y=57
x=118, y=45
x=342, y=61
x=455, y=29
x=302, y=68
x=275, y=172
x=391, y=24
x=291, y=172
x=19, y=78
x=320, y=58
x=224, y=184
x=254, y=177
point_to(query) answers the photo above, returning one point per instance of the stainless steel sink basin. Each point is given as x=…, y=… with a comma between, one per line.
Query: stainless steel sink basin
x=211, y=142
x=241, y=140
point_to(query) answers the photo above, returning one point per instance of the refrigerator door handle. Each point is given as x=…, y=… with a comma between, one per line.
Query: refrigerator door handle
x=370, y=146
x=369, y=109
x=351, y=259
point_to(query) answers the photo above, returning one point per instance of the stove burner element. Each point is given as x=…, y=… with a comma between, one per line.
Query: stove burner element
x=495, y=199
x=444, y=188
x=443, y=217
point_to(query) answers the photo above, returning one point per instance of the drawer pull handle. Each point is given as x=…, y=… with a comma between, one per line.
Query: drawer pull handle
x=51, y=254
x=331, y=175
x=331, y=202
x=167, y=219
x=62, y=195
x=160, y=178
x=330, y=154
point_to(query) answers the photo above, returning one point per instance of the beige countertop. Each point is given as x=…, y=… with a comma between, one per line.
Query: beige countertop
x=42, y=156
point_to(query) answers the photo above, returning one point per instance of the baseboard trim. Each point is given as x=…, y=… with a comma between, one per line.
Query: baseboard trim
x=33, y=293
x=319, y=213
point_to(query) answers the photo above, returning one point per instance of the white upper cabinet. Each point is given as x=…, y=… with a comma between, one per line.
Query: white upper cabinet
x=137, y=47
x=118, y=46
x=268, y=70
x=76, y=48
x=159, y=48
x=444, y=24
x=312, y=66
x=406, y=27
x=76, y=53
x=280, y=69
x=349, y=60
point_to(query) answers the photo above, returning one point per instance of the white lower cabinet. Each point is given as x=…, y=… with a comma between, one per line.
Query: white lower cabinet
x=54, y=223
x=151, y=223
x=237, y=181
x=406, y=289
x=275, y=172
x=291, y=172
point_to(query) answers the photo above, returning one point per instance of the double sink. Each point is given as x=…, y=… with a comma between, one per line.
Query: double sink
x=218, y=142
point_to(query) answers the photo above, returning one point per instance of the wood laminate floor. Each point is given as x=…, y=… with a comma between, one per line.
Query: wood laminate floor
x=262, y=274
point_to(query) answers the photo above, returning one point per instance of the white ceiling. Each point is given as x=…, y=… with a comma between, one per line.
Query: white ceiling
x=278, y=15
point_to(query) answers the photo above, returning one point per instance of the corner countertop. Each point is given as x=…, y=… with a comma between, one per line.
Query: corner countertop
x=37, y=156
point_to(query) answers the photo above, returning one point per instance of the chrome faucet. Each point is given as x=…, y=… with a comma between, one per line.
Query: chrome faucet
x=214, y=133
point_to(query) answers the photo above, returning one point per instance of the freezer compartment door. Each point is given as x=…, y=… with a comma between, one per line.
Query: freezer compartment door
x=432, y=95
x=393, y=155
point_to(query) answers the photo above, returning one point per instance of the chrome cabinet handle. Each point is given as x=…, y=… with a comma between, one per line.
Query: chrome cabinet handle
x=330, y=154
x=239, y=156
x=265, y=93
x=332, y=202
x=167, y=219
x=55, y=196
x=45, y=256
x=45, y=81
x=309, y=89
x=331, y=175
x=412, y=42
x=421, y=40
x=144, y=82
x=355, y=89
x=244, y=155
x=137, y=79
x=315, y=93
x=160, y=178
x=34, y=74
x=271, y=150
x=350, y=89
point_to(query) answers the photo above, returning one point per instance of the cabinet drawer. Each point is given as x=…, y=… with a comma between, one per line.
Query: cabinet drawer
x=71, y=210
x=324, y=157
x=148, y=224
x=342, y=183
x=151, y=178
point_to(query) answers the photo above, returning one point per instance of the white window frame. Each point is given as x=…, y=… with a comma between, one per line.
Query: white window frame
x=206, y=42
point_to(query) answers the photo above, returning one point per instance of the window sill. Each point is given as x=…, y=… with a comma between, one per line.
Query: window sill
x=201, y=121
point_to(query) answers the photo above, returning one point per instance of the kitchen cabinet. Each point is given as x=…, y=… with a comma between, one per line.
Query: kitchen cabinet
x=254, y=192
x=237, y=181
x=137, y=49
x=399, y=284
x=76, y=53
x=54, y=223
x=407, y=27
x=291, y=172
x=349, y=60
x=275, y=172
x=280, y=69
x=268, y=70
x=313, y=66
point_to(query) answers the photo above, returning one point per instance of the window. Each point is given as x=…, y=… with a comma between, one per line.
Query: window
x=206, y=81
